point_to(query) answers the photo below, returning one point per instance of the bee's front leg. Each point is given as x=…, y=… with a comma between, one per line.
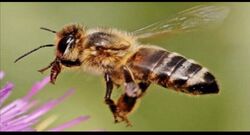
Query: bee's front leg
x=55, y=70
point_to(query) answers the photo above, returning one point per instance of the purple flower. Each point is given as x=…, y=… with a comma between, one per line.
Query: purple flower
x=23, y=114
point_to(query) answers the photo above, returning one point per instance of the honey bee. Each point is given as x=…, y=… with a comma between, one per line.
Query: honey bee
x=124, y=61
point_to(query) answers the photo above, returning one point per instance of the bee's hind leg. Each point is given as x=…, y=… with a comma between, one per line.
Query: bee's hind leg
x=127, y=100
x=133, y=91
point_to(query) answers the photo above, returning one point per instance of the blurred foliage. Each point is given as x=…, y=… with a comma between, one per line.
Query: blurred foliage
x=224, y=50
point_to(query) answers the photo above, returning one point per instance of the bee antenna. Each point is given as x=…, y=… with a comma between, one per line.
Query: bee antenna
x=43, y=28
x=42, y=46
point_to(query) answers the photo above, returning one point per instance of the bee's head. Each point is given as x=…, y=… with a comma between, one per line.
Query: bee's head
x=69, y=41
x=68, y=47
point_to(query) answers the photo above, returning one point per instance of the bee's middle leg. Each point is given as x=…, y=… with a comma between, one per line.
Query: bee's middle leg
x=108, y=100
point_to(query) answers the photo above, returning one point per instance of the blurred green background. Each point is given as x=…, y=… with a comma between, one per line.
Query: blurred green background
x=224, y=50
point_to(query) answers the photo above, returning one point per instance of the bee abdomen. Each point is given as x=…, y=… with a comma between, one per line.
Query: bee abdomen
x=184, y=75
x=172, y=70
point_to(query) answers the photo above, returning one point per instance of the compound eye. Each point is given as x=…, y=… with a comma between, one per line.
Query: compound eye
x=66, y=43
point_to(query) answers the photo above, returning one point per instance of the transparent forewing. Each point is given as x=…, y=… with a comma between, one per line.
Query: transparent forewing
x=186, y=20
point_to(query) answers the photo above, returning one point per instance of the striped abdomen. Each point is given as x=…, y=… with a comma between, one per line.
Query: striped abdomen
x=171, y=70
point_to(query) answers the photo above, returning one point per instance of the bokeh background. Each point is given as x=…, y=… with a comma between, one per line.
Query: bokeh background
x=224, y=50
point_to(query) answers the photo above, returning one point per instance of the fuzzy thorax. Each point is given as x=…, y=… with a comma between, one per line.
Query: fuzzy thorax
x=118, y=46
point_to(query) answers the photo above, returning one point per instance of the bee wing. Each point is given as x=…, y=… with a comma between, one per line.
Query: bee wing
x=185, y=21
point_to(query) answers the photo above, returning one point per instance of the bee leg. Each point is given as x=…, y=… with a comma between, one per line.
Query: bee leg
x=46, y=68
x=124, y=105
x=133, y=91
x=128, y=99
x=55, y=70
x=143, y=86
x=108, y=100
